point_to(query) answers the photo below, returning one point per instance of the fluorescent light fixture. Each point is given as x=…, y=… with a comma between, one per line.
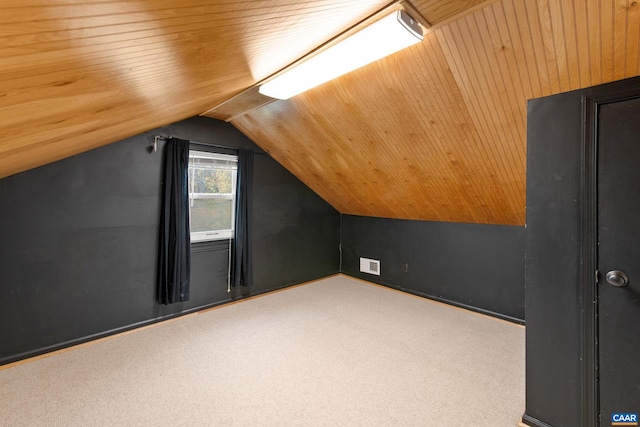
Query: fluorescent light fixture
x=388, y=35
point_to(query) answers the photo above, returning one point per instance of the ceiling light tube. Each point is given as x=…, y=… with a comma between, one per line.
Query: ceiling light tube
x=388, y=35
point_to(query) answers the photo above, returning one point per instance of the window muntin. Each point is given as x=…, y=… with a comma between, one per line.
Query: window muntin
x=212, y=194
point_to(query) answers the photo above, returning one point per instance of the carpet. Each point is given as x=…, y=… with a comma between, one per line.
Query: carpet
x=335, y=352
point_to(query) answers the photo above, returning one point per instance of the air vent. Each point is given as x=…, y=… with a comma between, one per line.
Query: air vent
x=371, y=266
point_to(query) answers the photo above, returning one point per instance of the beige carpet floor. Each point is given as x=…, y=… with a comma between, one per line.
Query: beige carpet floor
x=336, y=352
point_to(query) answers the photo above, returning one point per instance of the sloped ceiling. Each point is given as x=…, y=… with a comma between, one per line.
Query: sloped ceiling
x=436, y=132
x=78, y=74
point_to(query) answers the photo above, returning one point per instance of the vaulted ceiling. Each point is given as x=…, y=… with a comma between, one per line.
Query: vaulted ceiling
x=435, y=132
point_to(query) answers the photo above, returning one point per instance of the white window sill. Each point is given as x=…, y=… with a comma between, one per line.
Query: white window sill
x=207, y=236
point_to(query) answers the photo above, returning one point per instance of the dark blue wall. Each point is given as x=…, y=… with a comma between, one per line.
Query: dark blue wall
x=554, y=334
x=558, y=383
x=480, y=267
x=78, y=241
x=78, y=245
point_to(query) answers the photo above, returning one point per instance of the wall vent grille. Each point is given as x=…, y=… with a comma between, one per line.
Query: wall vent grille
x=370, y=266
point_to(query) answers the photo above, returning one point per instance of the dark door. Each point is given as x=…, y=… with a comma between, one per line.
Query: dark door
x=619, y=256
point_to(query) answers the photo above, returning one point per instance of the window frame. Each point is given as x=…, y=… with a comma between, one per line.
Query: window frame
x=208, y=236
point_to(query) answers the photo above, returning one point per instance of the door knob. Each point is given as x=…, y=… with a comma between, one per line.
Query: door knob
x=617, y=278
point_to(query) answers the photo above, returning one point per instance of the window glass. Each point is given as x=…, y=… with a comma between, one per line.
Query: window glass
x=212, y=194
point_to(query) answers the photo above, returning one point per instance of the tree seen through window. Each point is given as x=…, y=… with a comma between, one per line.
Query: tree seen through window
x=212, y=182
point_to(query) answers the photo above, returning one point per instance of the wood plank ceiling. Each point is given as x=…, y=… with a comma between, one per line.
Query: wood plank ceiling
x=78, y=74
x=436, y=132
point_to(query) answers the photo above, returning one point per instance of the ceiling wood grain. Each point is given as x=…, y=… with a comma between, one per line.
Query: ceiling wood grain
x=75, y=75
x=436, y=132
x=436, y=11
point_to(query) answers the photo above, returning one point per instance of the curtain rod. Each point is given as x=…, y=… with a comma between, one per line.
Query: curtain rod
x=206, y=144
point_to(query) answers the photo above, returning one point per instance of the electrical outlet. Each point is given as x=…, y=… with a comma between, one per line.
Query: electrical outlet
x=405, y=267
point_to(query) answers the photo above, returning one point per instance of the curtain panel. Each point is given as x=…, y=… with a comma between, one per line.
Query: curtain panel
x=242, y=273
x=174, y=241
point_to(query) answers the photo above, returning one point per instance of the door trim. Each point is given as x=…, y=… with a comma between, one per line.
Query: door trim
x=589, y=261
x=588, y=278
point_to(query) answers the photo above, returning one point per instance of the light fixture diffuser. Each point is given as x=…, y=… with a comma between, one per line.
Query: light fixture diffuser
x=388, y=35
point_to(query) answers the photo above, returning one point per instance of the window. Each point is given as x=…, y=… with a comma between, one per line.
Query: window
x=212, y=195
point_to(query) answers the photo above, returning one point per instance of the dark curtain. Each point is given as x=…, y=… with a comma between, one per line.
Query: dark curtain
x=242, y=266
x=175, y=240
